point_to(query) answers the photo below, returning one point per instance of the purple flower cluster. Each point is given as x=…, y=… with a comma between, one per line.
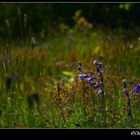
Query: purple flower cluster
x=91, y=79
x=136, y=88
x=98, y=65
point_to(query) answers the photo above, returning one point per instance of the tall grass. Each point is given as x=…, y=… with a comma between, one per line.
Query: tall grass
x=39, y=84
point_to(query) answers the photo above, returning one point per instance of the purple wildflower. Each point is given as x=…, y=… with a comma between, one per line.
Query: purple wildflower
x=98, y=65
x=90, y=79
x=95, y=86
x=136, y=88
x=124, y=82
x=92, y=84
x=100, y=91
x=79, y=68
x=125, y=91
x=95, y=62
x=97, y=68
x=131, y=83
x=82, y=76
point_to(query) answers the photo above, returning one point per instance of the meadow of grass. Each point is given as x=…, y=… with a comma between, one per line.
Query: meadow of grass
x=40, y=87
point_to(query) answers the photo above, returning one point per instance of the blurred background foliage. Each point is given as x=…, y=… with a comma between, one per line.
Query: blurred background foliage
x=19, y=21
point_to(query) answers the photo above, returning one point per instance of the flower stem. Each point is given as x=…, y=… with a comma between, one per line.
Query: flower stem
x=84, y=99
x=103, y=112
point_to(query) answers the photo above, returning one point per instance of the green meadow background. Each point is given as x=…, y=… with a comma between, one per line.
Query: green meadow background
x=41, y=46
